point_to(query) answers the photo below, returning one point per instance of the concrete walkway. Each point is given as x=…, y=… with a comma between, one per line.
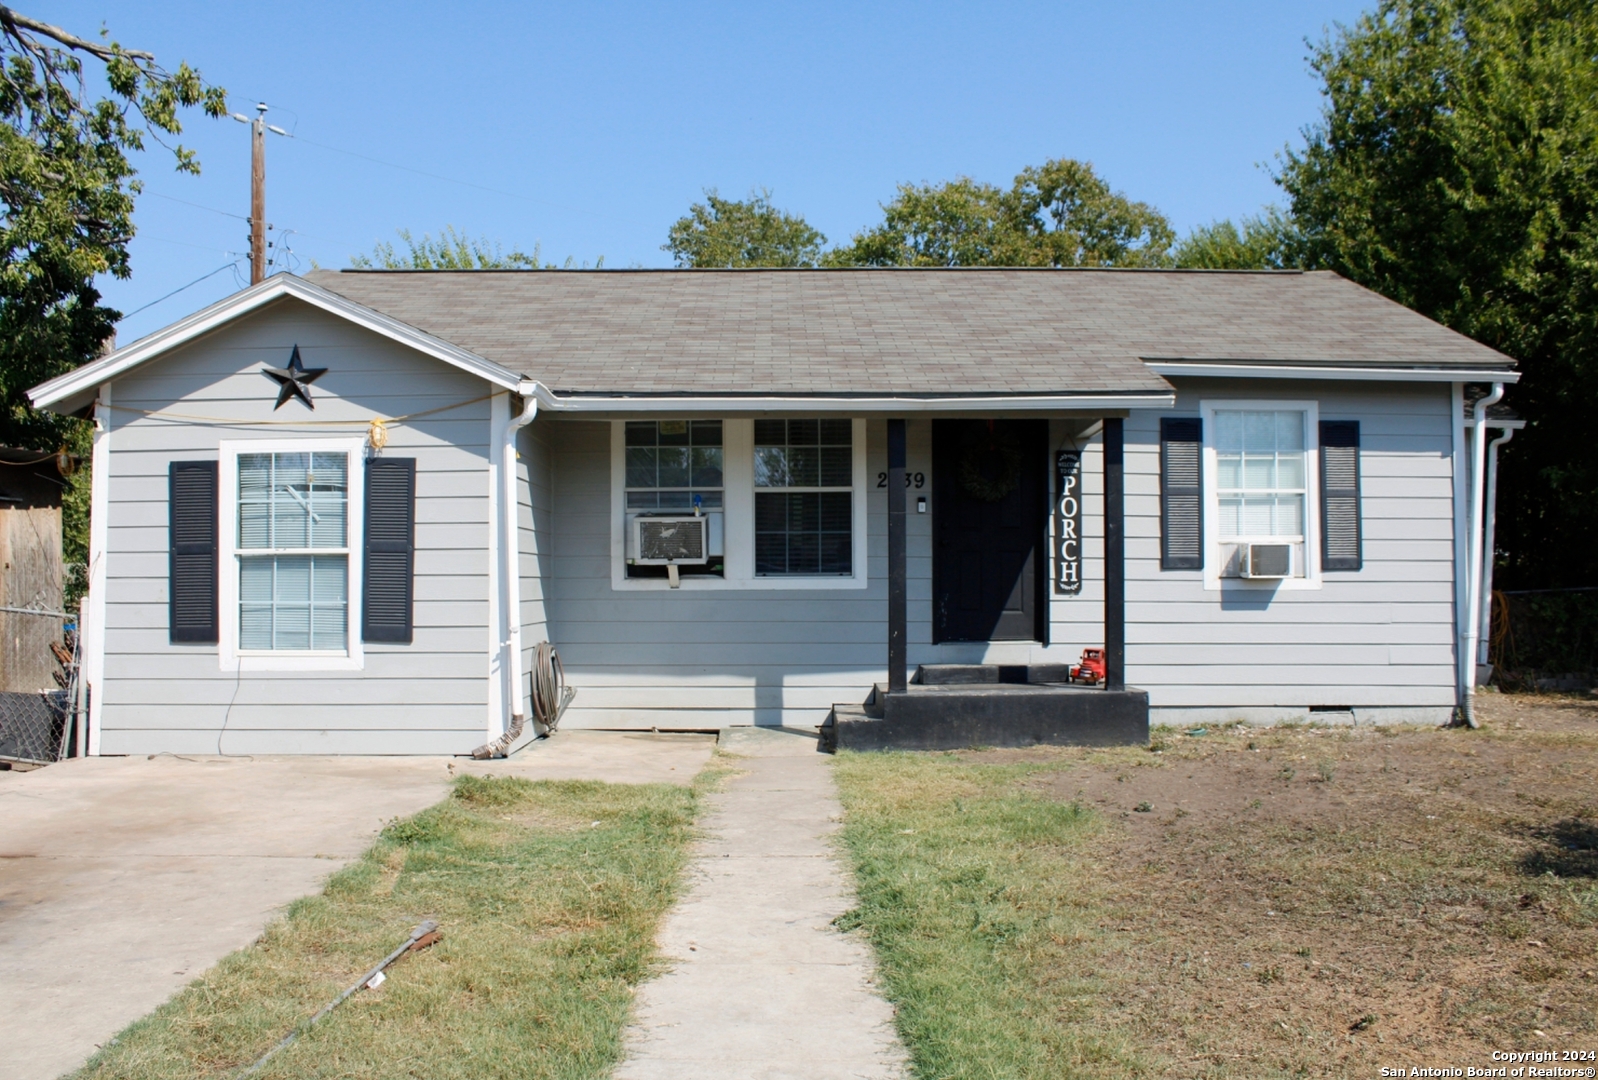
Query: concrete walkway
x=762, y=987
x=122, y=878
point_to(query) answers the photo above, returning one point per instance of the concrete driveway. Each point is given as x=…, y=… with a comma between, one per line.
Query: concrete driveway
x=123, y=878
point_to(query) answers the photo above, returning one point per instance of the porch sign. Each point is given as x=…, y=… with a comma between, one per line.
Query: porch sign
x=1068, y=524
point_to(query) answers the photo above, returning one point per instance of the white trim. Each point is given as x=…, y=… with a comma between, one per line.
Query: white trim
x=1473, y=584
x=738, y=509
x=1312, y=495
x=1489, y=546
x=1224, y=370
x=1461, y=541
x=229, y=656
x=86, y=378
x=495, y=722
x=725, y=405
x=517, y=698
x=99, y=530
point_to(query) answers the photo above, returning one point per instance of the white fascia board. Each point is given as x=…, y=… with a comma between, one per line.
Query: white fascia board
x=1305, y=371
x=75, y=384
x=843, y=405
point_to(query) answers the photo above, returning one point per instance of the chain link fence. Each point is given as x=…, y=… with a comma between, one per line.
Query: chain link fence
x=45, y=726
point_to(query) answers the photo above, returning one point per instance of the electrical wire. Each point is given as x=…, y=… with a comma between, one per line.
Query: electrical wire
x=433, y=176
x=179, y=289
x=197, y=206
x=156, y=414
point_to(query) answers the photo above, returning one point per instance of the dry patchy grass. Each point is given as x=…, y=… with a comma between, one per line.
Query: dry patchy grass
x=1286, y=902
x=548, y=895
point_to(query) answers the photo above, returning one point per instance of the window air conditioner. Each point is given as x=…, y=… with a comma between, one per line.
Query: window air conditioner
x=1268, y=561
x=671, y=541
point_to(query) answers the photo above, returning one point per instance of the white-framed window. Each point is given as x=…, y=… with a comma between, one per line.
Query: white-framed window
x=291, y=532
x=804, y=497
x=1260, y=487
x=818, y=486
x=676, y=467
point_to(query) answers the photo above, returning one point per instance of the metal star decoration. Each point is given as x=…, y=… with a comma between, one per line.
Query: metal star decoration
x=294, y=380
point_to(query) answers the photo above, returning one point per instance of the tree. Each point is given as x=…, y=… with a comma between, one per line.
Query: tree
x=66, y=215
x=723, y=233
x=1072, y=218
x=451, y=251
x=960, y=222
x=67, y=190
x=1058, y=214
x=1455, y=170
x=1267, y=241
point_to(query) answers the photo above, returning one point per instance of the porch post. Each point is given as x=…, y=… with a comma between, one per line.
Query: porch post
x=897, y=680
x=1114, y=556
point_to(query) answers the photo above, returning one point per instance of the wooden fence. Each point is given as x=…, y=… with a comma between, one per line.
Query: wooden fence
x=30, y=578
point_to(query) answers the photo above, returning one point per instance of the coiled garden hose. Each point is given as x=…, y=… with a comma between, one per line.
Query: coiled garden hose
x=550, y=696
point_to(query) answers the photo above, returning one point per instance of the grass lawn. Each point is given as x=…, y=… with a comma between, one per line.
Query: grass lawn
x=1240, y=903
x=548, y=895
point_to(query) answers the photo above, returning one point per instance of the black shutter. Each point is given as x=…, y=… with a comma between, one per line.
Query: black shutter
x=390, y=549
x=1181, y=493
x=192, y=544
x=1340, y=519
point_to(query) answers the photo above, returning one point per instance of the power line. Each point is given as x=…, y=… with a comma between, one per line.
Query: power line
x=435, y=176
x=179, y=289
x=197, y=206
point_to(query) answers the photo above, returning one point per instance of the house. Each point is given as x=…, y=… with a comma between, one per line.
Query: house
x=334, y=514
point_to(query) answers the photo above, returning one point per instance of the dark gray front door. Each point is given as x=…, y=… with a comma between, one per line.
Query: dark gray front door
x=989, y=496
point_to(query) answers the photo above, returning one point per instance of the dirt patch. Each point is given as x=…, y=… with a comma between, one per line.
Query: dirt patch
x=1316, y=900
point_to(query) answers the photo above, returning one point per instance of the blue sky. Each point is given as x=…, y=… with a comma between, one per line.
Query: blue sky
x=596, y=125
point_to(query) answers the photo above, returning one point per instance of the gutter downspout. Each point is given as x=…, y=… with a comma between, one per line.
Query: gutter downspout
x=1489, y=545
x=1473, y=577
x=511, y=586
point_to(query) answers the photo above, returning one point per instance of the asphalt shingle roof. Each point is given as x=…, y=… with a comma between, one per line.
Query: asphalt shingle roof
x=934, y=332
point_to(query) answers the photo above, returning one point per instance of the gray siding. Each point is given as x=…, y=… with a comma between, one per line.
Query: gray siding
x=1378, y=639
x=701, y=659
x=426, y=697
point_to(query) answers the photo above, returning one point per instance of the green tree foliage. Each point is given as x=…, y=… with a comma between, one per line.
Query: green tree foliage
x=66, y=198
x=1265, y=242
x=957, y=223
x=1455, y=170
x=721, y=233
x=452, y=250
x=66, y=215
x=1058, y=214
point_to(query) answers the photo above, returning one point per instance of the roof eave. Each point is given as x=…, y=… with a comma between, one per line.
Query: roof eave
x=847, y=403
x=1247, y=369
x=71, y=391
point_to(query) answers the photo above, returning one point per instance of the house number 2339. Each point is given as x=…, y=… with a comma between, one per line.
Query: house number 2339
x=911, y=479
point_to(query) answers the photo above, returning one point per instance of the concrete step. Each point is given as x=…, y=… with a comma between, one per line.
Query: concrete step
x=987, y=674
x=953, y=716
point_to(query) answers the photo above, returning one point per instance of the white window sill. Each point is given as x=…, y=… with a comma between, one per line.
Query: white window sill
x=689, y=584
x=1292, y=584
x=292, y=661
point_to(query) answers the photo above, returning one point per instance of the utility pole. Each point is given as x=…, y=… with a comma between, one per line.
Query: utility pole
x=258, y=226
x=258, y=196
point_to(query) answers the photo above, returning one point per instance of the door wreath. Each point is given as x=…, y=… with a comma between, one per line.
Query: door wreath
x=988, y=471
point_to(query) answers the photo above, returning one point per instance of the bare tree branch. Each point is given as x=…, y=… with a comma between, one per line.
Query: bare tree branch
x=13, y=21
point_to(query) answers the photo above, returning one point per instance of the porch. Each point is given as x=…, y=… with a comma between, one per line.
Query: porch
x=950, y=706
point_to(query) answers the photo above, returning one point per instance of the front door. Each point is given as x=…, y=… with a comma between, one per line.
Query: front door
x=989, y=497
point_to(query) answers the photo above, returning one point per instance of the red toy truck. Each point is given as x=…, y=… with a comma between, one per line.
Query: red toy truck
x=1091, y=669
